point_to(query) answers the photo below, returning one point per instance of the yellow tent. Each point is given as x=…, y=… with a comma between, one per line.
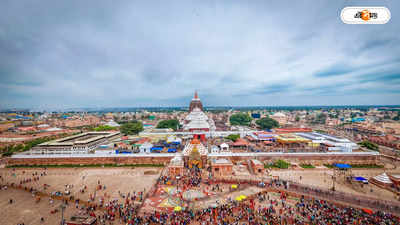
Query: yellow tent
x=234, y=186
x=238, y=198
x=177, y=208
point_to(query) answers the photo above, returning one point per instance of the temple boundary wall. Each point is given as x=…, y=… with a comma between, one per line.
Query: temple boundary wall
x=87, y=159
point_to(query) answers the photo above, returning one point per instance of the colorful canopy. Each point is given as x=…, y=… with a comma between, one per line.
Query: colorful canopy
x=360, y=178
x=171, y=150
x=240, y=197
x=156, y=149
x=342, y=166
x=367, y=211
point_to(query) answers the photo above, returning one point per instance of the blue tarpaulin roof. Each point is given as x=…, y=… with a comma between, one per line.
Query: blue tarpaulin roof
x=357, y=119
x=156, y=148
x=342, y=166
x=122, y=151
x=359, y=178
x=172, y=150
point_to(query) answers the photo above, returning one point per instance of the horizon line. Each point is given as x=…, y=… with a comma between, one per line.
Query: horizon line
x=209, y=106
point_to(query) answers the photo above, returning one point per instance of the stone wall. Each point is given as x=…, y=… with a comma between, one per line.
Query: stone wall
x=315, y=159
x=89, y=160
x=298, y=158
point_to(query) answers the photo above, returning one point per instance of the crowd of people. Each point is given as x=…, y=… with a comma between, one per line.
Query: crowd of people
x=192, y=177
x=257, y=209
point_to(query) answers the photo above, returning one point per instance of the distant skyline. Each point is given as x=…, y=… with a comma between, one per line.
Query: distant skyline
x=78, y=54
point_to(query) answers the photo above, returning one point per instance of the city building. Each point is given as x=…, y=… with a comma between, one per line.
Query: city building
x=332, y=143
x=4, y=126
x=292, y=130
x=291, y=141
x=388, y=140
x=145, y=147
x=112, y=123
x=280, y=117
x=81, y=143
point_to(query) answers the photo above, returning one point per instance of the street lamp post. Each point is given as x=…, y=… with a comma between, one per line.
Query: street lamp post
x=333, y=182
x=62, y=206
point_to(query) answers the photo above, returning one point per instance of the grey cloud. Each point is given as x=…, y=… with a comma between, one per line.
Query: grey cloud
x=129, y=53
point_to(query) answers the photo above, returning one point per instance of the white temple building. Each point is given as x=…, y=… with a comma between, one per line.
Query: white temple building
x=198, y=120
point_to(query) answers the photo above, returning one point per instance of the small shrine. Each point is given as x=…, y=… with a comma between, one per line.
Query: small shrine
x=176, y=166
x=221, y=167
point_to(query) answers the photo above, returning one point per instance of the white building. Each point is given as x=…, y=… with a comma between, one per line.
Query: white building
x=198, y=120
x=338, y=143
x=112, y=123
x=145, y=147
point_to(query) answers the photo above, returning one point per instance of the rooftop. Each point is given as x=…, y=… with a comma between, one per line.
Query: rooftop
x=222, y=161
x=83, y=138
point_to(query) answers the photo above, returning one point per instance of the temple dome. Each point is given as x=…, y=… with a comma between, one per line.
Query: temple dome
x=195, y=103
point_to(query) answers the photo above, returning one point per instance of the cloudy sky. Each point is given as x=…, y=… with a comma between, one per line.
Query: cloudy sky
x=61, y=54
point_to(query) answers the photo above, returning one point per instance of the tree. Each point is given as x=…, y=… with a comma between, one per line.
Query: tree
x=267, y=123
x=320, y=131
x=397, y=118
x=333, y=115
x=8, y=151
x=104, y=128
x=320, y=118
x=133, y=127
x=282, y=164
x=173, y=124
x=241, y=119
x=297, y=118
x=369, y=145
x=233, y=137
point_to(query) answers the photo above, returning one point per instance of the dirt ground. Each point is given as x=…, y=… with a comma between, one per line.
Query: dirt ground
x=120, y=181
x=117, y=181
x=323, y=179
x=24, y=209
